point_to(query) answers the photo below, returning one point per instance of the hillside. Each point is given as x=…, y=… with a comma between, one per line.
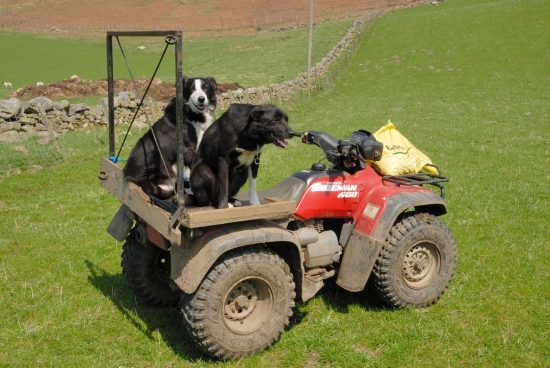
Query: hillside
x=191, y=16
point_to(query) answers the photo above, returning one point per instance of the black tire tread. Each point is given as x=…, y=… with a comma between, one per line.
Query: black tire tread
x=135, y=257
x=382, y=282
x=194, y=306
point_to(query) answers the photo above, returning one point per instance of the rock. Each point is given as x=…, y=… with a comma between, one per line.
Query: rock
x=126, y=95
x=147, y=101
x=61, y=105
x=40, y=127
x=10, y=137
x=126, y=99
x=29, y=119
x=140, y=122
x=77, y=109
x=45, y=137
x=9, y=125
x=37, y=105
x=105, y=104
x=96, y=111
x=28, y=128
x=10, y=108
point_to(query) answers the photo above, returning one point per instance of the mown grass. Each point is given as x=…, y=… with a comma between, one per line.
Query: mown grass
x=252, y=60
x=466, y=81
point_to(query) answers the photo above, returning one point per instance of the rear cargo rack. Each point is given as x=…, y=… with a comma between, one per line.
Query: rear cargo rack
x=421, y=179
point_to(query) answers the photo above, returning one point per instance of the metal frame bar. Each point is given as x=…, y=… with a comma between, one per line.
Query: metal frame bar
x=179, y=95
x=418, y=179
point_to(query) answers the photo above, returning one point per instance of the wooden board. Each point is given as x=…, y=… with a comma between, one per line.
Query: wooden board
x=207, y=216
x=112, y=179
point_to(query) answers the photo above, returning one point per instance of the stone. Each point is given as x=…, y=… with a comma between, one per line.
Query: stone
x=147, y=101
x=77, y=109
x=140, y=123
x=96, y=111
x=45, y=137
x=10, y=108
x=9, y=125
x=10, y=137
x=29, y=119
x=37, y=105
x=28, y=128
x=61, y=105
x=40, y=127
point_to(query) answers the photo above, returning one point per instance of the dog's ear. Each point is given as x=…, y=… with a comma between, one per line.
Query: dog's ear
x=280, y=114
x=256, y=113
x=213, y=83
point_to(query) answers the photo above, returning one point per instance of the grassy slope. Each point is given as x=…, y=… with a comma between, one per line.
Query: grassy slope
x=466, y=81
x=249, y=60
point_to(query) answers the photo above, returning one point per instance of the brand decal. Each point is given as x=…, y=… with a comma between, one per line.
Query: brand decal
x=345, y=190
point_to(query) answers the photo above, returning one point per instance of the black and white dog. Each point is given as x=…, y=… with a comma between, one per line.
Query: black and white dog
x=230, y=151
x=155, y=171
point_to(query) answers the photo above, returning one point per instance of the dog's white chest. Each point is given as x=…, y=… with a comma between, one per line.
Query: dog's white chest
x=200, y=128
x=245, y=157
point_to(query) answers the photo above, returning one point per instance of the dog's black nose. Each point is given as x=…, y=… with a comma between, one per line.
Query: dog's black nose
x=201, y=99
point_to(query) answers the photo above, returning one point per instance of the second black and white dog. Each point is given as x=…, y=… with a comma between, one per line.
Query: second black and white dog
x=152, y=162
x=230, y=151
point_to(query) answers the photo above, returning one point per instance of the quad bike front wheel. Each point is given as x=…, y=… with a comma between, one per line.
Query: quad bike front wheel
x=242, y=305
x=146, y=269
x=416, y=263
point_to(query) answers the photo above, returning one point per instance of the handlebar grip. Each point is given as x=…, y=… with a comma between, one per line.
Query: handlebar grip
x=292, y=133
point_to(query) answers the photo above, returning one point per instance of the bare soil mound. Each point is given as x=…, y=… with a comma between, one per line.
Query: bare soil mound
x=74, y=88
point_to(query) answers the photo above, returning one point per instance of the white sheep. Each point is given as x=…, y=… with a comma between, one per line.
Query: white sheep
x=141, y=47
x=74, y=77
x=8, y=85
x=40, y=84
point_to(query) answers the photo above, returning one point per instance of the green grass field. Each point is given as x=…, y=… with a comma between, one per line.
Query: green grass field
x=253, y=60
x=466, y=81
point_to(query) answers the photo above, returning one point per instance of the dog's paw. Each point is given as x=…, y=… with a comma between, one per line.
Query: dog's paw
x=236, y=203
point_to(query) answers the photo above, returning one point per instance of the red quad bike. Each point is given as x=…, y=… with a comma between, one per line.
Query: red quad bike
x=236, y=272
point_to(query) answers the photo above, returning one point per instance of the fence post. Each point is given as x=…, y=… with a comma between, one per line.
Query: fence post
x=309, y=46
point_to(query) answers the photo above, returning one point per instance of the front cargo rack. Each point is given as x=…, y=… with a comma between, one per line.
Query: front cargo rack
x=422, y=178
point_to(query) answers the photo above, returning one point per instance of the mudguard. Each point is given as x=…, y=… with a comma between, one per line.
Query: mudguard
x=192, y=261
x=362, y=248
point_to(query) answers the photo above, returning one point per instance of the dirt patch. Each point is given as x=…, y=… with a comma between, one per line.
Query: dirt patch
x=69, y=88
x=191, y=16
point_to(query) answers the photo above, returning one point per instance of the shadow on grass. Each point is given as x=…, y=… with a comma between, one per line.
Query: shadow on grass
x=163, y=320
x=167, y=321
x=340, y=300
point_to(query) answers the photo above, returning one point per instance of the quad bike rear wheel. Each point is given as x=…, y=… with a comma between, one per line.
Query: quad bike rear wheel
x=242, y=305
x=146, y=269
x=416, y=263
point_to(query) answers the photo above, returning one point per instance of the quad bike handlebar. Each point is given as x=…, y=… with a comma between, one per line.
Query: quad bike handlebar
x=349, y=154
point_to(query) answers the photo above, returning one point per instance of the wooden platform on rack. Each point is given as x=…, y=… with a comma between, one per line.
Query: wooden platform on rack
x=112, y=179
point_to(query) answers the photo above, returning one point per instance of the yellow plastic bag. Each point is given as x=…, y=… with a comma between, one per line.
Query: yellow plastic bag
x=399, y=156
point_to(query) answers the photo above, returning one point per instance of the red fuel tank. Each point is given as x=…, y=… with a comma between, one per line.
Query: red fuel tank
x=337, y=195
